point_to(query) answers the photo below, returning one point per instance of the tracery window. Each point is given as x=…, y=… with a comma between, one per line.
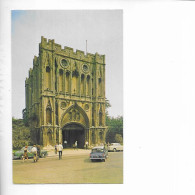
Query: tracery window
x=61, y=80
x=67, y=83
x=82, y=84
x=88, y=85
x=48, y=77
x=48, y=115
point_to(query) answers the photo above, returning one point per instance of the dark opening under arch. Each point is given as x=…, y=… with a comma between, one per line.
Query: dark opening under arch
x=74, y=132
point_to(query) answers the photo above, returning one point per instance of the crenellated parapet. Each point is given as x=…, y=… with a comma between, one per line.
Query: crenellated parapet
x=47, y=44
x=30, y=72
x=27, y=81
x=35, y=61
x=69, y=52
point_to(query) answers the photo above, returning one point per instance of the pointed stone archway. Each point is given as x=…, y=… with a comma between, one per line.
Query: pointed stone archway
x=75, y=126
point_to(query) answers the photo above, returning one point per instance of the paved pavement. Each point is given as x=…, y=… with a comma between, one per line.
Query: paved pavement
x=74, y=167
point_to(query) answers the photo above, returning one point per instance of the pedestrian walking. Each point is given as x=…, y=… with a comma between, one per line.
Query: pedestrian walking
x=65, y=143
x=75, y=144
x=34, y=151
x=60, y=147
x=86, y=145
x=56, y=148
x=25, y=155
x=38, y=151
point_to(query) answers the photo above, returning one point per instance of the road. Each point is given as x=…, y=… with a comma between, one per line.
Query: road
x=75, y=168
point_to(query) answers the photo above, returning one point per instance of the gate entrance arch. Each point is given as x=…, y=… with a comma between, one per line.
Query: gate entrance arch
x=74, y=132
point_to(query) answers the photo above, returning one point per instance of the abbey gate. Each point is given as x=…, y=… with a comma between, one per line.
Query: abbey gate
x=65, y=96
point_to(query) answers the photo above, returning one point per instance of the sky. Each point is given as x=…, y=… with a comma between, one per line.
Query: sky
x=103, y=31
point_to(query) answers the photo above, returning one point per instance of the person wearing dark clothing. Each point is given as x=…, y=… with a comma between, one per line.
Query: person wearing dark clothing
x=60, y=147
x=56, y=148
x=25, y=156
x=38, y=151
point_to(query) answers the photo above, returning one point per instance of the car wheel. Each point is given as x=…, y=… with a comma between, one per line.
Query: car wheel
x=104, y=160
x=21, y=157
x=114, y=150
x=92, y=160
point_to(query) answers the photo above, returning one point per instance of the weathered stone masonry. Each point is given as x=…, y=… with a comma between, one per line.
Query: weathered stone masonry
x=65, y=96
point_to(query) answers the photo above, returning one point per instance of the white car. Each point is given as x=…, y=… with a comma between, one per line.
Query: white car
x=115, y=147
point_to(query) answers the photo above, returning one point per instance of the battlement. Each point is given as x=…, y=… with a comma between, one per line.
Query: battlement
x=57, y=46
x=27, y=81
x=35, y=60
x=68, y=49
x=30, y=72
x=69, y=52
x=47, y=44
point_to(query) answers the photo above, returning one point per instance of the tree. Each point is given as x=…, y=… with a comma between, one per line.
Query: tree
x=108, y=105
x=20, y=134
x=118, y=138
x=115, y=127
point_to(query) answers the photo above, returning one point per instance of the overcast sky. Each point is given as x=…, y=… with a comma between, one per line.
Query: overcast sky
x=103, y=31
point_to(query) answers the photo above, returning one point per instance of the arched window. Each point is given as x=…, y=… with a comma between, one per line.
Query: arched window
x=61, y=80
x=100, y=118
x=48, y=78
x=56, y=76
x=82, y=84
x=88, y=85
x=48, y=116
x=100, y=87
x=74, y=82
x=67, y=82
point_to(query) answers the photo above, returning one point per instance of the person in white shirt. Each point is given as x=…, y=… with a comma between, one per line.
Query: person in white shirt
x=65, y=143
x=60, y=147
x=75, y=144
x=34, y=151
x=86, y=145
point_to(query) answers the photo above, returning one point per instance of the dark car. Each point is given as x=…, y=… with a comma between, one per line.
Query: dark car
x=99, y=153
x=18, y=154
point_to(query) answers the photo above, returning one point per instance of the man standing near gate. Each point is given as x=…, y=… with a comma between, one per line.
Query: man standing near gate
x=65, y=143
x=60, y=147
x=86, y=145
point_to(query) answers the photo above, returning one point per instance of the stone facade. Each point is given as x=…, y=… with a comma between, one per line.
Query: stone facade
x=65, y=96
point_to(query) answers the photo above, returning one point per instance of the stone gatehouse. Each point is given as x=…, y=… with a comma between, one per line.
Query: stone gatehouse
x=65, y=96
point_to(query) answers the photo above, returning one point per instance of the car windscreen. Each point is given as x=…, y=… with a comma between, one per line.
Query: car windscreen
x=97, y=150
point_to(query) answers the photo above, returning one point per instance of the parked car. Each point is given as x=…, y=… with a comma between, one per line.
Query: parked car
x=99, y=153
x=115, y=147
x=18, y=154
